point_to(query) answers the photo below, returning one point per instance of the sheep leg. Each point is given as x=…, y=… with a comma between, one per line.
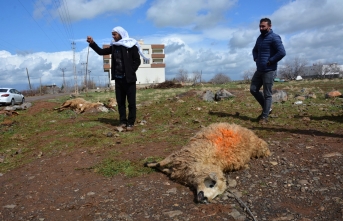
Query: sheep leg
x=162, y=165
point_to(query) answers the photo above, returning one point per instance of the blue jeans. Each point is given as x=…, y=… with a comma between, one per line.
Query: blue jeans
x=265, y=79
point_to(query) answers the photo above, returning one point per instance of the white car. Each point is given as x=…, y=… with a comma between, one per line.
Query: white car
x=11, y=96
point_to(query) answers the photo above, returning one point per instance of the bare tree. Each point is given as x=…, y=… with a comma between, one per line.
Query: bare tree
x=248, y=74
x=220, y=78
x=182, y=76
x=196, y=76
x=293, y=68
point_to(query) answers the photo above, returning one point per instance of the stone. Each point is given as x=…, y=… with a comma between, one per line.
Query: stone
x=279, y=96
x=334, y=154
x=232, y=183
x=223, y=94
x=303, y=182
x=332, y=94
x=235, y=214
x=11, y=206
x=174, y=213
x=274, y=163
x=208, y=96
x=300, y=98
x=172, y=190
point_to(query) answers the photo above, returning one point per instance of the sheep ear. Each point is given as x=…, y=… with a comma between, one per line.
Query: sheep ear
x=213, y=176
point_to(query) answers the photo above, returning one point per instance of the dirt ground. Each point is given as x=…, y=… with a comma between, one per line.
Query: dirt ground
x=302, y=180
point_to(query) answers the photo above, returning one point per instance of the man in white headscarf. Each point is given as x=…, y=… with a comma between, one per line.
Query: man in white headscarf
x=125, y=62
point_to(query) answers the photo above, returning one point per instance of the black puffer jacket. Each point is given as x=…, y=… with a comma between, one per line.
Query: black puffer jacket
x=130, y=56
x=268, y=48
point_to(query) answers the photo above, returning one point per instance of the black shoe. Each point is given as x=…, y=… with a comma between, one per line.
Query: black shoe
x=122, y=125
x=263, y=121
x=129, y=128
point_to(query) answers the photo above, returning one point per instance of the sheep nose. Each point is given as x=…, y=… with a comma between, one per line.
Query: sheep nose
x=201, y=198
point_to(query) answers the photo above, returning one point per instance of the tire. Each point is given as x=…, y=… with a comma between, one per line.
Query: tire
x=23, y=100
x=12, y=102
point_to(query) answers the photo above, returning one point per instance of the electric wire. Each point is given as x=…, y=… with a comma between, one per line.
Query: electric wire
x=37, y=24
x=52, y=19
x=63, y=13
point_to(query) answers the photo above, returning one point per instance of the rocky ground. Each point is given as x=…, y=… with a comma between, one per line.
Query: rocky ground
x=302, y=180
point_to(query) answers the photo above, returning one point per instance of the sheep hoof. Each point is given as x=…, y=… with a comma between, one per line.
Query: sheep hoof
x=147, y=164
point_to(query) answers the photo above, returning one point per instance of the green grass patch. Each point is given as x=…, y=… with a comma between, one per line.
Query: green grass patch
x=112, y=167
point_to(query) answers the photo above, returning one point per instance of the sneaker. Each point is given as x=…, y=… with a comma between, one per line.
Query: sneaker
x=260, y=116
x=129, y=128
x=263, y=121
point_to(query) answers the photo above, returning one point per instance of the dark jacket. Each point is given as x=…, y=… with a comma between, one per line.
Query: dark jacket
x=131, y=60
x=268, y=48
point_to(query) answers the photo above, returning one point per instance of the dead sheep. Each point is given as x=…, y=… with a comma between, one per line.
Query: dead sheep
x=214, y=150
x=80, y=105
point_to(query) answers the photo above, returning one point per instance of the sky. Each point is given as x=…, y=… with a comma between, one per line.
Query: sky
x=208, y=36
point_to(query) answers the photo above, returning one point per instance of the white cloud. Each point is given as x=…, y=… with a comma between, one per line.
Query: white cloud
x=307, y=14
x=45, y=68
x=179, y=13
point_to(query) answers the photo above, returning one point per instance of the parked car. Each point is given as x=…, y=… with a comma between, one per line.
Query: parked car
x=11, y=96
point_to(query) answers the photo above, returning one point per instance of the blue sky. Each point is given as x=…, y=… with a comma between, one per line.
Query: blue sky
x=214, y=36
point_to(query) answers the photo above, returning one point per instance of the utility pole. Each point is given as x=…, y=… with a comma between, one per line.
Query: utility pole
x=64, y=81
x=28, y=77
x=89, y=77
x=74, y=68
x=85, y=66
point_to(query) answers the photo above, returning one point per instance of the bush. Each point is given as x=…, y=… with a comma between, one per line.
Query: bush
x=220, y=79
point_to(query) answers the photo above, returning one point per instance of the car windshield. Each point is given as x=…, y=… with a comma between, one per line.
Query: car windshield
x=3, y=90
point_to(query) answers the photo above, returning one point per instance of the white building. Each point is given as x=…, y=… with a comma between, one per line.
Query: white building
x=149, y=72
x=323, y=70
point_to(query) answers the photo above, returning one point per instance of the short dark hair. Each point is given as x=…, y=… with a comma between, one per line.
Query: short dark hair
x=266, y=20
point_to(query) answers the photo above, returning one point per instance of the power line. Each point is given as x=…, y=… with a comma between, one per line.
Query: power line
x=65, y=19
x=37, y=24
x=68, y=15
x=60, y=31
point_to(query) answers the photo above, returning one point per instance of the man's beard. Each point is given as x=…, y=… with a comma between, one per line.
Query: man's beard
x=263, y=32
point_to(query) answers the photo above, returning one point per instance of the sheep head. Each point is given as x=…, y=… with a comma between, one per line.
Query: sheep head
x=210, y=186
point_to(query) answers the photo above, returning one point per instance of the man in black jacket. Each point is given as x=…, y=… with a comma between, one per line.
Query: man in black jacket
x=125, y=62
x=267, y=52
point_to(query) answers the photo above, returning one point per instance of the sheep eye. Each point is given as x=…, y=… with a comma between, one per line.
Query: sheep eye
x=212, y=185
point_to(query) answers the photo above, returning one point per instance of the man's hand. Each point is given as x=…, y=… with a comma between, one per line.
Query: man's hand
x=90, y=39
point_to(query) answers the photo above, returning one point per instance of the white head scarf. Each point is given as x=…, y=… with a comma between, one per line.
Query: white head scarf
x=126, y=41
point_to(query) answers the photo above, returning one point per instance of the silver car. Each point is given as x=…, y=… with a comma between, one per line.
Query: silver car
x=11, y=96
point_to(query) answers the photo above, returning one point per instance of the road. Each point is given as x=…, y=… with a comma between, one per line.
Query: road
x=44, y=97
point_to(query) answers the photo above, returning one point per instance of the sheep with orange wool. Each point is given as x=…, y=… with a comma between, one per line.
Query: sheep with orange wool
x=80, y=105
x=214, y=150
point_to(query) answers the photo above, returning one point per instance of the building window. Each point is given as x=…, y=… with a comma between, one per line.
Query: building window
x=157, y=51
x=157, y=61
x=146, y=61
x=145, y=51
x=106, y=61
